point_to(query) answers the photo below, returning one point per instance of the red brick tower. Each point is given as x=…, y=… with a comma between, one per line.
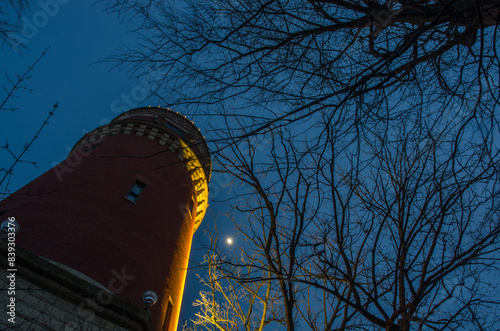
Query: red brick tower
x=122, y=208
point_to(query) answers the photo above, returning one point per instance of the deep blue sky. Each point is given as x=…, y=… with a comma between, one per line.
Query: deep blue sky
x=88, y=93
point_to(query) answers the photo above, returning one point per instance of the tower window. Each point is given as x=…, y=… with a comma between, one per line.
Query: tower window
x=135, y=191
x=175, y=128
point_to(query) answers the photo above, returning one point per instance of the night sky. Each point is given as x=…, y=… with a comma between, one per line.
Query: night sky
x=73, y=73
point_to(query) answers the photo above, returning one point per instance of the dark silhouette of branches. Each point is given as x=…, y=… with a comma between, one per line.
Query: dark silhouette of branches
x=397, y=233
x=10, y=17
x=316, y=55
x=12, y=89
x=374, y=203
x=18, y=158
x=17, y=84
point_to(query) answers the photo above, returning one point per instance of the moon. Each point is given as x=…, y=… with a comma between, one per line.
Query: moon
x=229, y=241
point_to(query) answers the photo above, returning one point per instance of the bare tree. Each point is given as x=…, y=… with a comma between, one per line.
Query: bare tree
x=399, y=233
x=376, y=203
x=314, y=55
x=15, y=87
x=10, y=18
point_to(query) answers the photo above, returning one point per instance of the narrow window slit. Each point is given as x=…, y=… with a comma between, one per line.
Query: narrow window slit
x=135, y=191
